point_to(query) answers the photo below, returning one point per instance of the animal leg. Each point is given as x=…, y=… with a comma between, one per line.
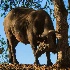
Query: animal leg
x=10, y=54
x=36, y=58
x=34, y=48
x=12, y=42
x=33, y=43
x=49, y=63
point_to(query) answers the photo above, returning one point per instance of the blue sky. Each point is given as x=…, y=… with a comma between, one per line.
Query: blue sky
x=24, y=52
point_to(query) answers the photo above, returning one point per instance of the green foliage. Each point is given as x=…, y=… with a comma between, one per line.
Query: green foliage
x=3, y=51
x=7, y=5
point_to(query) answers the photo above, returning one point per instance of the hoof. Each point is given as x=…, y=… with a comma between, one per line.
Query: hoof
x=36, y=63
x=49, y=64
x=17, y=62
x=13, y=62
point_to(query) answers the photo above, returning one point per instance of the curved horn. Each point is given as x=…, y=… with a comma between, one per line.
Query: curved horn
x=49, y=32
x=52, y=31
x=58, y=35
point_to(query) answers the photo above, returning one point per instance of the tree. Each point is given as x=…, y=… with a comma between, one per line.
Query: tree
x=62, y=27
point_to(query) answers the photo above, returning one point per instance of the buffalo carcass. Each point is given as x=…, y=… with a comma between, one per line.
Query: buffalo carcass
x=26, y=25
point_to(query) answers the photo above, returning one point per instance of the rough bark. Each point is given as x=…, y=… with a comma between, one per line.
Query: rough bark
x=69, y=4
x=61, y=13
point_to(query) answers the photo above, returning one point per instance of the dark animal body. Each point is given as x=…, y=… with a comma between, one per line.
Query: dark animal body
x=25, y=25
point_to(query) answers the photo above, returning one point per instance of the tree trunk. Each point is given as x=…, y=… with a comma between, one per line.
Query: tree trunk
x=69, y=4
x=61, y=13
